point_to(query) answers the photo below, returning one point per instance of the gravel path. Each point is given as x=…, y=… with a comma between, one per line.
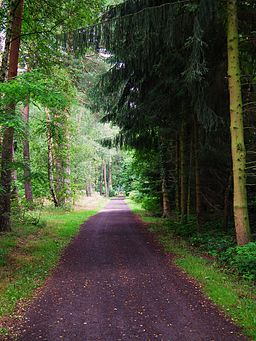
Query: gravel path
x=114, y=283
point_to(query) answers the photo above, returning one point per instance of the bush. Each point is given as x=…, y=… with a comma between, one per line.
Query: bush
x=151, y=204
x=136, y=196
x=242, y=259
x=212, y=243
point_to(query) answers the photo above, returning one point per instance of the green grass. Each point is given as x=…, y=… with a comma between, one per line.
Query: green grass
x=29, y=253
x=236, y=298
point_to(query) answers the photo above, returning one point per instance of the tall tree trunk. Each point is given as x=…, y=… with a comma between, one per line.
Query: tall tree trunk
x=14, y=190
x=177, y=177
x=101, y=175
x=164, y=166
x=166, y=202
x=26, y=157
x=90, y=189
x=190, y=167
x=243, y=234
x=50, y=160
x=104, y=167
x=109, y=176
x=7, y=43
x=199, y=221
x=7, y=146
x=183, y=174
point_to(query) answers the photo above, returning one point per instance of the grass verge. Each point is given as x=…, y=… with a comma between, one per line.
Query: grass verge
x=30, y=252
x=236, y=298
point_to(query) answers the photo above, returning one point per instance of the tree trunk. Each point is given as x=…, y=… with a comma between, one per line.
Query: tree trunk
x=199, y=221
x=26, y=157
x=7, y=147
x=166, y=202
x=14, y=189
x=104, y=167
x=7, y=43
x=241, y=218
x=164, y=167
x=50, y=160
x=177, y=177
x=101, y=172
x=190, y=167
x=109, y=177
x=183, y=175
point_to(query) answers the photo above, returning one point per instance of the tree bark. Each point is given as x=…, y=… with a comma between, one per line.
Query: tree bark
x=164, y=167
x=189, y=175
x=166, y=201
x=241, y=218
x=101, y=173
x=50, y=160
x=26, y=157
x=7, y=147
x=183, y=175
x=7, y=43
x=104, y=167
x=109, y=176
x=177, y=177
x=198, y=198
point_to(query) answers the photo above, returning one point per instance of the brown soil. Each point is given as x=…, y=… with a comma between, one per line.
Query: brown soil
x=115, y=283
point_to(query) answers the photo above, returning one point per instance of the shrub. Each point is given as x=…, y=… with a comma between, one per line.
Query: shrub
x=151, y=204
x=242, y=259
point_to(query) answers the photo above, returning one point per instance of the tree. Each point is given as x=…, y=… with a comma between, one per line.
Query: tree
x=237, y=128
x=7, y=144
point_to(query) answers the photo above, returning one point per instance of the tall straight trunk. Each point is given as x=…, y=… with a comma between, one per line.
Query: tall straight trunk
x=26, y=157
x=50, y=160
x=7, y=146
x=90, y=189
x=164, y=164
x=104, y=167
x=61, y=157
x=198, y=198
x=183, y=174
x=166, y=201
x=190, y=167
x=101, y=172
x=109, y=176
x=177, y=177
x=7, y=43
x=14, y=190
x=241, y=218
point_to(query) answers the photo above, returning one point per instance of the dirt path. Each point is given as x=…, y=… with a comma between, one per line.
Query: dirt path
x=113, y=283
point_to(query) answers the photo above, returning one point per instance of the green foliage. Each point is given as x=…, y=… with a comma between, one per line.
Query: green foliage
x=52, y=91
x=241, y=259
x=213, y=243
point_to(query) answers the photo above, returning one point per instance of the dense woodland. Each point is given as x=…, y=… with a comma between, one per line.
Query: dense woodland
x=149, y=98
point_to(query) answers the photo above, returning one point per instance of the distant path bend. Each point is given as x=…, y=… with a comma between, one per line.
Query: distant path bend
x=114, y=283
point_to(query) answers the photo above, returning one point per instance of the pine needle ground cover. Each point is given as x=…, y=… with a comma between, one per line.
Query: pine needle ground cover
x=234, y=296
x=30, y=252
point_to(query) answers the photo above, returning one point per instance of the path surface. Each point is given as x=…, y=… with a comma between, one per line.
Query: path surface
x=114, y=283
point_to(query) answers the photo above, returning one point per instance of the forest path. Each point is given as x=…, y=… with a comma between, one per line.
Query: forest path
x=114, y=283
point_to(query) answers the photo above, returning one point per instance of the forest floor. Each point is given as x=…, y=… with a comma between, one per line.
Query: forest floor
x=114, y=282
